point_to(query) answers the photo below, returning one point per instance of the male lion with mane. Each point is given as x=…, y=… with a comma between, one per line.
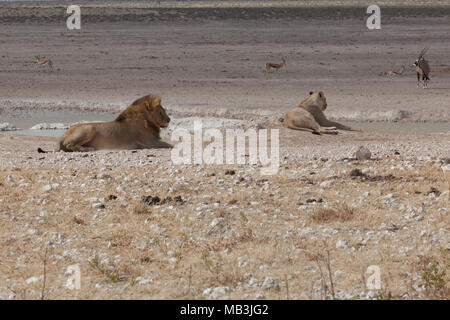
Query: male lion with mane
x=137, y=127
x=308, y=116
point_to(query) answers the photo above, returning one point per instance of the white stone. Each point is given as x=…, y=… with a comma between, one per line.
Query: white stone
x=46, y=188
x=270, y=283
x=341, y=244
x=241, y=262
x=326, y=183
x=50, y=126
x=70, y=253
x=338, y=273
x=104, y=176
x=6, y=126
x=217, y=293
x=363, y=153
x=219, y=222
x=143, y=281
x=253, y=282
x=32, y=280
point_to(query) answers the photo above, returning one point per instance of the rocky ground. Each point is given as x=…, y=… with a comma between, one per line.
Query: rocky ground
x=140, y=227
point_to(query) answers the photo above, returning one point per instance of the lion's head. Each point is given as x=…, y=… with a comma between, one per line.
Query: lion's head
x=316, y=98
x=147, y=108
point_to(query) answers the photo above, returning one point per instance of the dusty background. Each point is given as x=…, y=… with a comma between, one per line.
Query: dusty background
x=211, y=60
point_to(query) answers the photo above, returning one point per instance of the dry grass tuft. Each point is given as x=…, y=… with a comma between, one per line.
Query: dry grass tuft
x=229, y=242
x=325, y=215
x=141, y=208
x=120, y=239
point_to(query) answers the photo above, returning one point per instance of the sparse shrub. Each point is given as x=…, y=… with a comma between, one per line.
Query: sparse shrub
x=300, y=243
x=229, y=242
x=221, y=274
x=243, y=218
x=435, y=281
x=120, y=239
x=112, y=273
x=79, y=221
x=385, y=295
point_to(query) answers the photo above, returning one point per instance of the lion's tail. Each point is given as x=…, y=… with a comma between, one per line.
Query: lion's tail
x=59, y=147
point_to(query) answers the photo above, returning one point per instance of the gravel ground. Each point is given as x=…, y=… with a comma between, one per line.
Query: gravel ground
x=140, y=227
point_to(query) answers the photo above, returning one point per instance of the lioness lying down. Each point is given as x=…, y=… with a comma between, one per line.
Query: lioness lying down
x=308, y=116
x=137, y=127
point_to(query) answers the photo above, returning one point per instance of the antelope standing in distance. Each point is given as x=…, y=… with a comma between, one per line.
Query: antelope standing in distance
x=276, y=66
x=40, y=62
x=398, y=72
x=422, y=69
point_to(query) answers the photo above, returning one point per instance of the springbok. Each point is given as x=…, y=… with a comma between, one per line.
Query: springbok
x=277, y=66
x=422, y=69
x=398, y=72
x=40, y=61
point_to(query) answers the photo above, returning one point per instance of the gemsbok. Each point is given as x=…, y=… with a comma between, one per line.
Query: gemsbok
x=422, y=69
